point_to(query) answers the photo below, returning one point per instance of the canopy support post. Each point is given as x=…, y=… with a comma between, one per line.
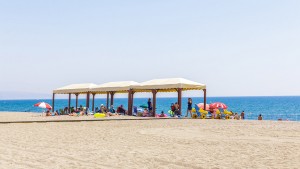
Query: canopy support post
x=69, y=105
x=76, y=100
x=129, y=102
x=87, y=100
x=93, y=106
x=112, y=98
x=53, y=98
x=204, y=90
x=179, y=90
x=132, y=94
x=154, y=92
x=107, y=100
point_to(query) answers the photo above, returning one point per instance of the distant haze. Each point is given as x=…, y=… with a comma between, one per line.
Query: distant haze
x=237, y=48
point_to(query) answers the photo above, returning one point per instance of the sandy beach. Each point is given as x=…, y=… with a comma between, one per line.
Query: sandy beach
x=181, y=143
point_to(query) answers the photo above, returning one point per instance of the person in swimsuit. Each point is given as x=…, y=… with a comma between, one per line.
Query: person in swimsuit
x=149, y=105
x=121, y=110
x=259, y=117
x=189, y=110
x=243, y=115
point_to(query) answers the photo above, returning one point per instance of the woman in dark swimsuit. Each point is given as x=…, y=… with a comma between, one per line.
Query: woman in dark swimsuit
x=189, y=110
x=149, y=105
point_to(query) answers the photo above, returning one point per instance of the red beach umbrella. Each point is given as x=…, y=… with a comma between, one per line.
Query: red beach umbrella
x=218, y=105
x=43, y=105
x=201, y=105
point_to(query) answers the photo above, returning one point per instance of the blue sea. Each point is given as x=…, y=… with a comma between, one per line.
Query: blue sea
x=271, y=108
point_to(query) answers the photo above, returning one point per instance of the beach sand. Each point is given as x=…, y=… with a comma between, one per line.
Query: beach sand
x=179, y=143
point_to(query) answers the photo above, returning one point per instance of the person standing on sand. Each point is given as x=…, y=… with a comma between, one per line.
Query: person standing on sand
x=242, y=115
x=149, y=105
x=259, y=117
x=189, y=109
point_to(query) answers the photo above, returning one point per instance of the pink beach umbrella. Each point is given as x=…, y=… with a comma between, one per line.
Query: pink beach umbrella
x=218, y=105
x=201, y=105
x=43, y=105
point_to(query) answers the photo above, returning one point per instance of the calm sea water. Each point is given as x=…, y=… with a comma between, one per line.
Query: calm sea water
x=272, y=108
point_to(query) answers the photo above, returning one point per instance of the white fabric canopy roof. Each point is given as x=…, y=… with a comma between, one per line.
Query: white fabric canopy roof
x=114, y=87
x=163, y=85
x=75, y=88
x=169, y=85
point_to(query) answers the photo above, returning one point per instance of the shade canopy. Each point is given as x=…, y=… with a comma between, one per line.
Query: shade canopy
x=169, y=85
x=75, y=88
x=118, y=87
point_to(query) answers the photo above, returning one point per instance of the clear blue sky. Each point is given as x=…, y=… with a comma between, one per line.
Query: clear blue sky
x=237, y=48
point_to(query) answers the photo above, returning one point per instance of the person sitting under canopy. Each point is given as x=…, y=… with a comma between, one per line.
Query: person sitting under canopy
x=111, y=112
x=121, y=110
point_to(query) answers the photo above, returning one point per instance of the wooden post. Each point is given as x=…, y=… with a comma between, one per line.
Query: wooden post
x=87, y=100
x=53, y=98
x=179, y=90
x=132, y=94
x=107, y=100
x=76, y=100
x=154, y=92
x=93, y=106
x=129, y=103
x=112, y=98
x=204, y=90
x=69, y=105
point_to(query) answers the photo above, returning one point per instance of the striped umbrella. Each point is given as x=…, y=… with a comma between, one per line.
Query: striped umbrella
x=218, y=105
x=201, y=105
x=43, y=105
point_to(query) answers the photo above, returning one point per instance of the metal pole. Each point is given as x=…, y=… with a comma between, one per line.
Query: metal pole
x=204, y=90
x=53, y=98
x=179, y=99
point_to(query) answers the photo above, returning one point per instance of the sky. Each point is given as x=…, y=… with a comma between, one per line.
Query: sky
x=236, y=48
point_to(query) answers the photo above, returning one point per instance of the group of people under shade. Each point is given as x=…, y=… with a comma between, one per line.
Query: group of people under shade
x=148, y=112
x=111, y=111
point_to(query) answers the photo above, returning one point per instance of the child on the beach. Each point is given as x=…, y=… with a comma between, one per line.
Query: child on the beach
x=259, y=117
x=162, y=114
